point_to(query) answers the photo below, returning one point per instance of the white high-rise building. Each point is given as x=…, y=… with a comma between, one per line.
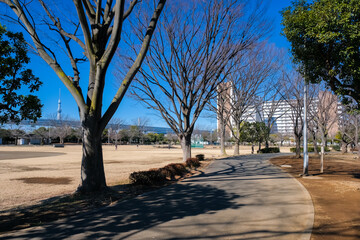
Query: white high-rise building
x=283, y=116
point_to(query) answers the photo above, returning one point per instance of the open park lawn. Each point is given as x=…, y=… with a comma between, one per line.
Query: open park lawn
x=335, y=193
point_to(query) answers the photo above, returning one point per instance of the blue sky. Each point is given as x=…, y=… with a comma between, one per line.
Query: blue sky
x=129, y=110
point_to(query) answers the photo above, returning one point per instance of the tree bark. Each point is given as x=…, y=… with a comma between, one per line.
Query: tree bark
x=298, y=147
x=323, y=144
x=315, y=147
x=186, y=146
x=222, y=139
x=222, y=146
x=237, y=147
x=92, y=167
x=266, y=143
x=344, y=147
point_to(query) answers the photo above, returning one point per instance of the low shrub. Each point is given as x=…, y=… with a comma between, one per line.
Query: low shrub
x=151, y=177
x=158, y=176
x=200, y=157
x=310, y=149
x=193, y=163
x=336, y=147
x=174, y=169
x=269, y=150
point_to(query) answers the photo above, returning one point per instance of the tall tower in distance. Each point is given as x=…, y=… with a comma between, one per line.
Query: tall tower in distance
x=58, y=116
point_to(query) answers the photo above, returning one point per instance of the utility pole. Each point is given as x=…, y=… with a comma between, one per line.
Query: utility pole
x=306, y=154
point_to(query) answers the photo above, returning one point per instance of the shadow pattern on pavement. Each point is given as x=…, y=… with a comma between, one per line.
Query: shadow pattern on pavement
x=132, y=216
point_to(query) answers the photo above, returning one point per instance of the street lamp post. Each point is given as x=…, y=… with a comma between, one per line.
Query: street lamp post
x=306, y=155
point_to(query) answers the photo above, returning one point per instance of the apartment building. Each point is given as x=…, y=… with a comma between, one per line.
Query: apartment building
x=282, y=115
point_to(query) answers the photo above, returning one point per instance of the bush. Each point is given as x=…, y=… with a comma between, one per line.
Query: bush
x=174, y=169
x=158, y=176
x=150, y=177
x=336, y=147
x=193, y=163
x=200, y=157
x=270, y=150
x=310, y=149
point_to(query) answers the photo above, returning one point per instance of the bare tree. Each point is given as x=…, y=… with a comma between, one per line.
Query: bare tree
x=60, y=128
x=115, y=130
x=93, y=33
x=16, y=132
x=222, y=109
x=141, y=123
x=324, y=118
x=193, y=52
x=294, y=96
x=62, y=131
x=247, y=83
x=43, y=133
x=269, y=109
x=349, y=121
x=77, y=132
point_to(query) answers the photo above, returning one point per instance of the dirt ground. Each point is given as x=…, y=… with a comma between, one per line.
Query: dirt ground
x=29, y=174
x=335, y=194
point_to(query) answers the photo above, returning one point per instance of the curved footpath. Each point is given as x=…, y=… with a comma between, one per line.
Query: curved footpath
x=241, y=197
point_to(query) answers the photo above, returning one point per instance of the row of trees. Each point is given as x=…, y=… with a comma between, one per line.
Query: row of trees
x=196, y=48
x=63, y=134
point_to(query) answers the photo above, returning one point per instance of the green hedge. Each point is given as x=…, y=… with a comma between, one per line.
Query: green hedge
x=269, y=150
x=310, y=149
x=336, y=147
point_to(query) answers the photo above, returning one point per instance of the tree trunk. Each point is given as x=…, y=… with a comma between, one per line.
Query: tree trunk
x=322, y=154
x=343, y=147
x=186, y=146
x=222, y=146
x=237, y=147
x=92, y=167
x=259, y=146
x=222, y=140
x=298, y=147
x=266, y=143
x=315, y=147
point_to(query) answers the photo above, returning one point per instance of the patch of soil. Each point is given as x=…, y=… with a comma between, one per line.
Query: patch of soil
x=46, y=180
x=335, y=194
x=65, y=206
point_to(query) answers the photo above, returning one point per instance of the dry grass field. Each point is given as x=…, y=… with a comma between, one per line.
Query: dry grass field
x=29, y=174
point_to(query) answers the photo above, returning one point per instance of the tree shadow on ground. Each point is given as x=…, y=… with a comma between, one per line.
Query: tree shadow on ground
x=131, y=216
x=338, y=230
x=245, y=167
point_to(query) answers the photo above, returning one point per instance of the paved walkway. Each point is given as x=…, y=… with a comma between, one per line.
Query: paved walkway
x=236, y=198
